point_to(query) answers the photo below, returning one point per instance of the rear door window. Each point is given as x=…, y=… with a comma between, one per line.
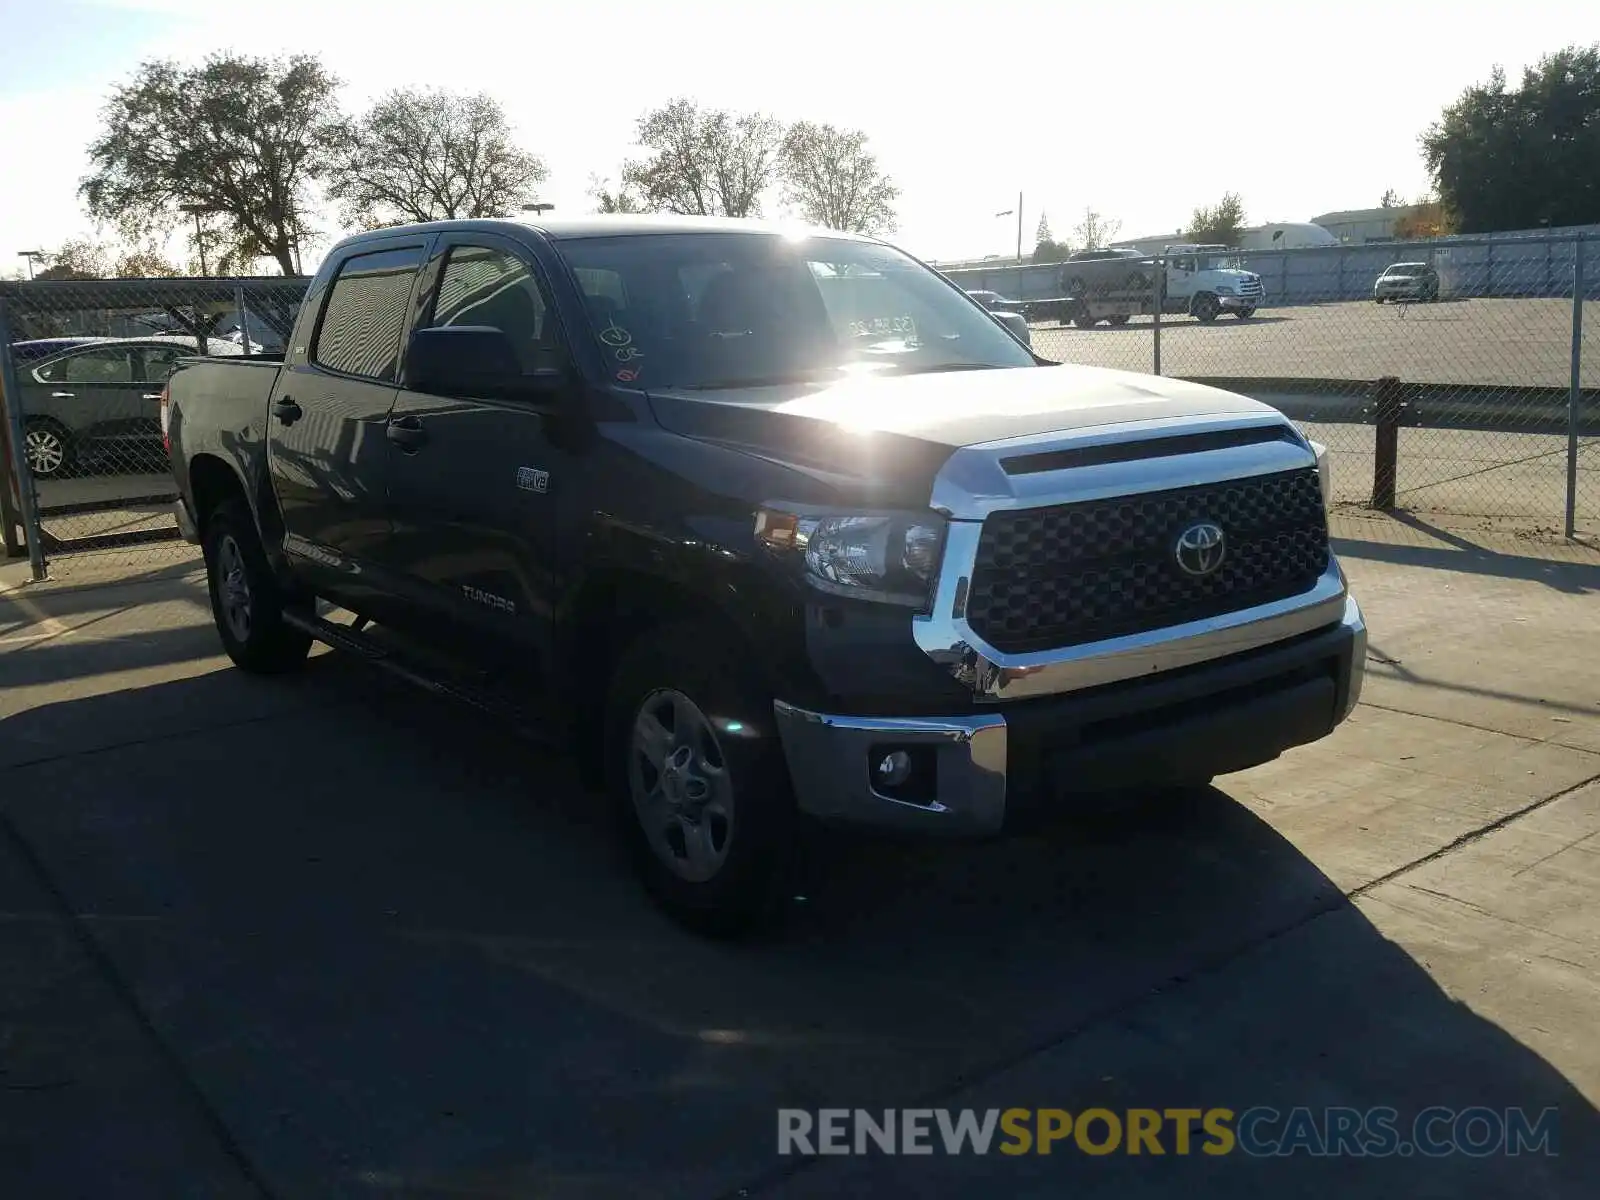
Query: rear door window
x=366, y=314
x=90, y=367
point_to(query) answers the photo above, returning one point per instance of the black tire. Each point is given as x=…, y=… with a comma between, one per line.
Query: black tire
x=1206, y=308
x=1118, y=319
x=1083, y=320
x=747, y=891
x=264, y=644
x=1244, y=314
x=1377, y=299
x=49, y=448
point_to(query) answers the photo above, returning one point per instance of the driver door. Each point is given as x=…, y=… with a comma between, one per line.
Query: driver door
x=474, y=483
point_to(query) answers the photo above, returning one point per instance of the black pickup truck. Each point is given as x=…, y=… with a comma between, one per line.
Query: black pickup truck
x=772, y=527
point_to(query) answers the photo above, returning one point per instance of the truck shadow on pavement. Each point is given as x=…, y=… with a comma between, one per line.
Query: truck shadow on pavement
x=393, y=948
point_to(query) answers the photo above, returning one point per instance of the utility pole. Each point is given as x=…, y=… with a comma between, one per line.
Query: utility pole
x=1019, y=229
x=197, y=211
x=30, y=255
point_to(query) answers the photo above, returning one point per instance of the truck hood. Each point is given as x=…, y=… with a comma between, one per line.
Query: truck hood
x=946, y=410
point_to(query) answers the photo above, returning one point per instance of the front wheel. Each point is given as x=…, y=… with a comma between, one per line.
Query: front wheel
x=247, y=602
x=1118, y=319
x=1244, y=314
x=1206, y=308
x=699, y=782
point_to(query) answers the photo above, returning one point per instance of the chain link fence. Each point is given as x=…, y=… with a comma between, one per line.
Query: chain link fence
x=1490, y=349
x=1495, y=410
x=86, y=364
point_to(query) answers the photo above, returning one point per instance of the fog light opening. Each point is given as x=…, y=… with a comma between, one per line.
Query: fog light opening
x=905, y=773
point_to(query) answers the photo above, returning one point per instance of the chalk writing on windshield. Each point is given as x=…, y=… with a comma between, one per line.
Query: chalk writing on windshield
x=884, y=327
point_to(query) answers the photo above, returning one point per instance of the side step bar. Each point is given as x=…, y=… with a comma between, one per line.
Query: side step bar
x=351, y=639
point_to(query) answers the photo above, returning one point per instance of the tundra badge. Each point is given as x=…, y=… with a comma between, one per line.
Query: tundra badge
x=487, y=599
x=530, y=480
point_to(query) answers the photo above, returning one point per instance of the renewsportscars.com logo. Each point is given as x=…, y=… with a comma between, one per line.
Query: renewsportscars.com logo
x=1258, y=1132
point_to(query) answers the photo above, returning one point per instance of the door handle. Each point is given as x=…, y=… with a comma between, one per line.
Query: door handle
x=63, y=395
x=288, y=411
x=151, y=396
x=407, y=433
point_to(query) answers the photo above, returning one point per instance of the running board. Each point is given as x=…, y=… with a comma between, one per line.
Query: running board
x=352, y=640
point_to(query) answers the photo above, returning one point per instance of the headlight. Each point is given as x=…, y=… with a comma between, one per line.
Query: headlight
x=892, y=558
x=1324, y=475
x=1224, y=289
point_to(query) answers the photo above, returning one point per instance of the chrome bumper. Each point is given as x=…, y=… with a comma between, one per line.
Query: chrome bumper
x=1232, y=302
x=186, y=526
x=830, y=758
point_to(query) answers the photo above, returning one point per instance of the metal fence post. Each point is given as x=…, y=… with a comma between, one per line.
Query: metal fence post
x=1158, y=279
x=1388, y=404
x=11, y=403
x=244, y=319
x=1575, y=388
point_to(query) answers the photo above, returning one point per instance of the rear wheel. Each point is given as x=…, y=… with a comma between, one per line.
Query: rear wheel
x=48, y=448
x=247, y=602
x=699, y=782
x=1118, y=319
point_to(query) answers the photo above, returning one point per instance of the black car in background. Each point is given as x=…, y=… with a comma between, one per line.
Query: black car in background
x=37, y=348
x=100, y=400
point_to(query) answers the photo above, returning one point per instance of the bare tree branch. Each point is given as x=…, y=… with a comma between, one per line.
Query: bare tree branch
x=431, y=156
x=833, y=179
x=704, y=163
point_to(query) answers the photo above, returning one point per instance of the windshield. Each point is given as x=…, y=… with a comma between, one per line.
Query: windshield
x=1219, y=262
x=715, y=310
x=1406, y=269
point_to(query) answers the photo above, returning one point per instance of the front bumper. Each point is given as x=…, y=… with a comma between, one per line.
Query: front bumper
x=186, y=526
x=993, y=771
x=1233, y=302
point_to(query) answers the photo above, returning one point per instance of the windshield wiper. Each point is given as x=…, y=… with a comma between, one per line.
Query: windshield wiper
x=938, y=368
x=820, y=376
x=752, y=381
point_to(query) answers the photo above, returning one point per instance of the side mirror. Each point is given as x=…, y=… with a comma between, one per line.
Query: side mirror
x=470, y=361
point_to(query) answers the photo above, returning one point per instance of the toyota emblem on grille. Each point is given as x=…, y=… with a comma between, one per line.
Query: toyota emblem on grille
x=1200, y=549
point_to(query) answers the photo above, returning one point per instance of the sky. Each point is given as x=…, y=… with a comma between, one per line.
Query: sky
x=1141, y=111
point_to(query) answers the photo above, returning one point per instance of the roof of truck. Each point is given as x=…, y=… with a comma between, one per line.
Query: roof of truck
x=622, y=225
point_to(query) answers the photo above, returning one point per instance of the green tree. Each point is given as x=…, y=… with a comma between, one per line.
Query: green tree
x=704, y=163
x=1220, y=224
x=78, y=258
x=833, y=179
x=431, y=156
x=1513, y=158
x=238, y=137
x=145, y=262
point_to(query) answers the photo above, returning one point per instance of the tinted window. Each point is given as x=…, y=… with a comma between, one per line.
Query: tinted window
x=728, y=309
x=480, y=286
x=158, y=363
x=366, y=314
x=91, y=367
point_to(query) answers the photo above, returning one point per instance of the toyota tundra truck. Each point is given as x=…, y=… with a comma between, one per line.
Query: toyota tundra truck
x=774, y=528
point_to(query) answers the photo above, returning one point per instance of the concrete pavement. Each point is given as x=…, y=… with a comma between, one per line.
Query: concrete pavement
x=331, y=938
